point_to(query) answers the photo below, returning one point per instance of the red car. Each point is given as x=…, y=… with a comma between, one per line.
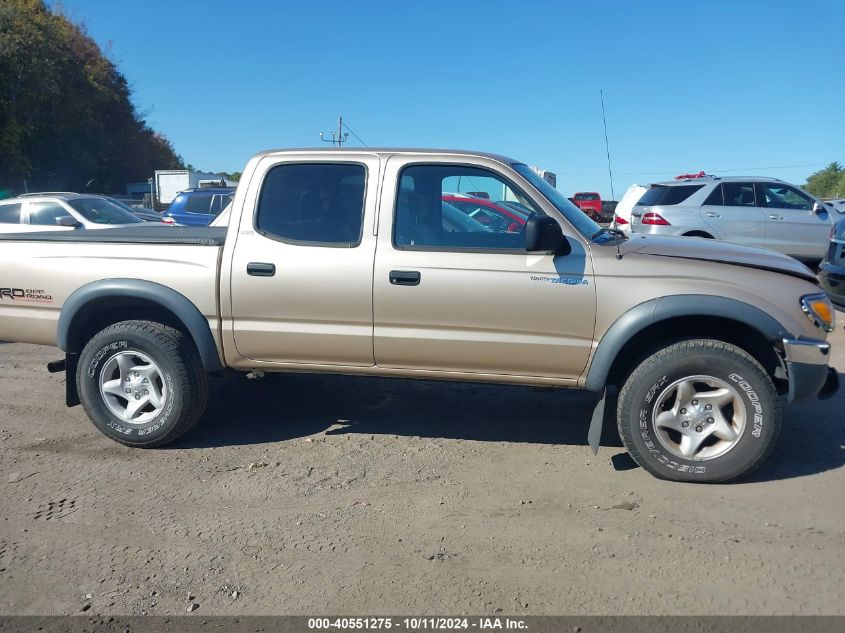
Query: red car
x=497, y=217
x=589, y=202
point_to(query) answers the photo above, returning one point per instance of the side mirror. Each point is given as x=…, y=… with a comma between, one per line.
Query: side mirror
x=544, y=235
x=819, y=208
x=67, y=220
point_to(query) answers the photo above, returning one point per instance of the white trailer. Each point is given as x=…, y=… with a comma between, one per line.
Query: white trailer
x=169, y=182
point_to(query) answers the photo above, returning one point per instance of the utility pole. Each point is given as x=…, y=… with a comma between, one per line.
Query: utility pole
x=339, y=137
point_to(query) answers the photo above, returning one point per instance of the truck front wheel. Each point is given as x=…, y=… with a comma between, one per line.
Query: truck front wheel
x=699, y=411
x=142, y=383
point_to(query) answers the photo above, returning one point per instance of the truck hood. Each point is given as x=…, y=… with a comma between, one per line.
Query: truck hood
x=716, y=251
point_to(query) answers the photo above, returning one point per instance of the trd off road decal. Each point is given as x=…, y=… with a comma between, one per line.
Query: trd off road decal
x=25, y=295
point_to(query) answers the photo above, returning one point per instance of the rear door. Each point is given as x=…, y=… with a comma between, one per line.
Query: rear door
x=731, y=210
x=302, y=265
x=793, y=227
x=456, y=296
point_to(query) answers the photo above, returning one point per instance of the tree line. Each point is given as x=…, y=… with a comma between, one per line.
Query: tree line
x=828, y=182
x=67, y=121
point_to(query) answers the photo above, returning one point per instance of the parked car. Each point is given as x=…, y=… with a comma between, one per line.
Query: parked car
x=492, y=214
x=837, y=204
x=622, y=213
x=198, y=207
x=762, y=212
x=589, y=202
x=61, y=211
x=147, y=215
x=832, y=268
x=386, y=279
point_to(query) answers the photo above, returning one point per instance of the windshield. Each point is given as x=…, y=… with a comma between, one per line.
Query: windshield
x=102, y=211
x=577, y=218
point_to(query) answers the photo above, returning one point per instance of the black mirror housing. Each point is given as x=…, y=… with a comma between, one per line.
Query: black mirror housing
x=544, y=235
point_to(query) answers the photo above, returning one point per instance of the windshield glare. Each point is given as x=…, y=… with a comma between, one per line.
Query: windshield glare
x=102, y=211
x=580, y=220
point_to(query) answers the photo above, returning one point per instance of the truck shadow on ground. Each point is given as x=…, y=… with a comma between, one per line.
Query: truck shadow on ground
x=289, y=406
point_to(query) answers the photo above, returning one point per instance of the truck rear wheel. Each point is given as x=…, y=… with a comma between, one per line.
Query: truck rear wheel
x=142, y=383
x=699, y=411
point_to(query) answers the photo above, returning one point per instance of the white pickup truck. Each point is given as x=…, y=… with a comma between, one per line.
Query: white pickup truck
x=354, y=261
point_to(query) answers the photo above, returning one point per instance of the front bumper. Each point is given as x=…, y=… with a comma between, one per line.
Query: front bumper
x=808, y=371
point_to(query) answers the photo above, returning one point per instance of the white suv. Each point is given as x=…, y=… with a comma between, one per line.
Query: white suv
x=754, y=211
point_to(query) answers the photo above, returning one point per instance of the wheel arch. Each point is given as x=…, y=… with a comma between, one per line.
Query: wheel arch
x=698, y=233
x=665, y=319
x=101, y=303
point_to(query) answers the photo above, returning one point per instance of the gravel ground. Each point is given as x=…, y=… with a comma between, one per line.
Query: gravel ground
x=306, y=494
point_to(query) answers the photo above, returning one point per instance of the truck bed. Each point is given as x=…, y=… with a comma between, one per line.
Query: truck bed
x=142, y=234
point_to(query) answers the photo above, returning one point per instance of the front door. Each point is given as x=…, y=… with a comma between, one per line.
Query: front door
x=454, y=295
x=301, y=273
x=793, y=227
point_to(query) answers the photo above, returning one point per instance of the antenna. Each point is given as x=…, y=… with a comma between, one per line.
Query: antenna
x=607, y=147
x=339, y=137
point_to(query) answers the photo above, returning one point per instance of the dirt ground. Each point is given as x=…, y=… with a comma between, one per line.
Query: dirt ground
x=306, y=494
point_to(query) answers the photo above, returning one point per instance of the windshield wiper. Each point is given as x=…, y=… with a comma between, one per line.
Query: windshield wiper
x=615, y=232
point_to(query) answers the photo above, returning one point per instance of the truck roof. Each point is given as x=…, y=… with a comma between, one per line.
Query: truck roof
x=387, y=151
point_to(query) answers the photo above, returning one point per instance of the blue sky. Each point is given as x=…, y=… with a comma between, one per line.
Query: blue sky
x=727, y=87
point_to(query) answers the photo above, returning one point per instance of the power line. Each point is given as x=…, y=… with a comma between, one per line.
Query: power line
x=352, y=132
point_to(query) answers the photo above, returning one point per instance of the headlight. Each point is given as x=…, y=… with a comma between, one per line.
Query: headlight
x=819, y=310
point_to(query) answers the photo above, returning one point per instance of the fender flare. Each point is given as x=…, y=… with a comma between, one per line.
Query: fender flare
x=635, y=320
x=184, y=310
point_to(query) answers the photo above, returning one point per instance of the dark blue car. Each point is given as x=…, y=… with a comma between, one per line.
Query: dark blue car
x=198, y=207
x=832, y=269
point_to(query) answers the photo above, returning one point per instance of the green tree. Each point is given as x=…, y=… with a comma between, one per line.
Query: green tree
x=66, y=116
x=828, y=182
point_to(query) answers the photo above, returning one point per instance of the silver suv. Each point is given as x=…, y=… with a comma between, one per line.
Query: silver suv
x=762, y=212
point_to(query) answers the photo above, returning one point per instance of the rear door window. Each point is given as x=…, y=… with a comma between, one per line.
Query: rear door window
x=198, y=204
x=316, y=204
x=667, y=195
x=739, y=194
x=10, y=213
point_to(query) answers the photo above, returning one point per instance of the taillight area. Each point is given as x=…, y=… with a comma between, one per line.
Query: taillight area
x=168, y=220
x=621, y=220
x=654, y=219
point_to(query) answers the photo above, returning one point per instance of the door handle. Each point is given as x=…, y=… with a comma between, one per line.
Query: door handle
x=260, y=269
x=713, y=215
x=405, y=277
x=775, y=217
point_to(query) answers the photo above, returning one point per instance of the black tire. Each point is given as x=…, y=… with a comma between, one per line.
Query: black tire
x=649, y=387
x=181, y=371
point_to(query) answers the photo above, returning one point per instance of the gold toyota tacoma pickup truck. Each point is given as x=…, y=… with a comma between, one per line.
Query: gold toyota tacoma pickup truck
x=384, y=262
